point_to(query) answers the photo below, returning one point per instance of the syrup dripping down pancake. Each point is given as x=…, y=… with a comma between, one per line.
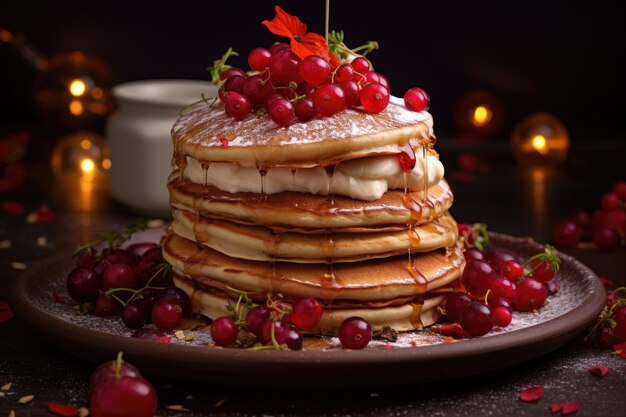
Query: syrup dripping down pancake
x=293, y=211
x=404, y=317
x=260, y=244
x=376, y=279
x=321, y=142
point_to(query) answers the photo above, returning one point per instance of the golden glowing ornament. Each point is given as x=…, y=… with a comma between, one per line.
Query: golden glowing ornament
x=540, y=139
x=478, y=115
x=80, y=163
x=73, y=91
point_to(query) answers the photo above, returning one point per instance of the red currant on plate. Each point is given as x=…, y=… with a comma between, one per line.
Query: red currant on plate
x=314, y=70
x=255, y=319
x=355, y=333
x=166, y=314
x=259, y=59
x=374, y=98
x=455, y=303
x=305, y=110
x=512, y=270
x=306, y=314
x=360, y=65
x=83, y=285
x=281, y=111
x=476, y=319
x=477, y=277
x=224, y=331
x=531, y=295
x=329, y=99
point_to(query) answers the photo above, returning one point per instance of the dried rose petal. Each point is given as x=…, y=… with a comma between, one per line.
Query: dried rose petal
x=599, y=370
x=224, y=142
x=45, y=215
x=556, y=407
x=606, y=282
x=531, y=394
x=5, y=312
x=452, y=329
x=13, y=208
x=58, y=298
x=63, y=410
x=569, y=408
x=164, y=339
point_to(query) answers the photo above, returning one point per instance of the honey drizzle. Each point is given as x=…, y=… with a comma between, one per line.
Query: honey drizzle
x=272, y=244
x=205, y=174
x=263, y=174
x=416, y=315
x=330, y=171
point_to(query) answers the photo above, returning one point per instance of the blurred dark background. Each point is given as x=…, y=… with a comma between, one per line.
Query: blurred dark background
x=545, y=56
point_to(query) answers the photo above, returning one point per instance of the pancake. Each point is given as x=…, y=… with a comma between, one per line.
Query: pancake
x=294, y=211
x=408, y=316
x=256, y=140
x=261, y=244
x=376, y=279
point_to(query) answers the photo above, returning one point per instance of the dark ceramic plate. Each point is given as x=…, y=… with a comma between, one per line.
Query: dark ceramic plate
x=416, y=357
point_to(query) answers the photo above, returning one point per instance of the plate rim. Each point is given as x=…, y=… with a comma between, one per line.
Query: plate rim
x=579, y=317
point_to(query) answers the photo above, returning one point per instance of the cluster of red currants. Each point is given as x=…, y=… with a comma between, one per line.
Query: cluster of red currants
x=133, y=282
x=293, y=89
x=118, y=389
x=606, y=227
x=279, y=326
x=610, y=328
x=497, y=283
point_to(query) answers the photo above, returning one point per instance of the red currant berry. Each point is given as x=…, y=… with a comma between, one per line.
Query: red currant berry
x=259, y=59
x=512, y=270
x=255, y=319
x=476, y=319
x=352, y=92
x=119, y=276
x=306, y=314
x=374, y=98
x=234, y=83
x=83, y=285
x=360, y=65
x=619, y=188
x=416, y=99
x=177, y=296
x=502, y=287
x=494, y=302
x=477, y=277
x=604, y=337
x=542, y=270
x=466, y=232
x=120, y=256
x=224, y=331
x=582, y=219
x=619, y=331
x=502, y=316
x=406, y=158
x=124, y=397
x=106, y=306
x=133, y=316
x=496, y=258
x=314, y=70
x=230, y=72
x=343, y=73
x=355, y=332
x=474, y=253
x=376, y=77
x=329, y=99
x=305, y=110
x=284, y=334
x=256, y=89
x=238, y=105
x=284, y=67
x=107, y=371
x=149, y=333
x=86, y=258
x=166, y=314
x=531, y=295
x=281, y=111
x=566, y=234
x=279, y=46
x=609, y=201
x=456, y=302
x=606, y=239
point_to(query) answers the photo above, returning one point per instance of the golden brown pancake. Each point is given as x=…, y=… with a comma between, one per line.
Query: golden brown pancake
x=376, y=279
x=258, y=243
x=293, y=211
x=257, y=141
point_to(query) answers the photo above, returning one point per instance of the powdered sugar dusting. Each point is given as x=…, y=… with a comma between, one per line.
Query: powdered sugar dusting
x=207, y=125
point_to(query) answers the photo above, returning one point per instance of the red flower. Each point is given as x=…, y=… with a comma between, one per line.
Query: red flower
x=302, y=44
x=531, y=394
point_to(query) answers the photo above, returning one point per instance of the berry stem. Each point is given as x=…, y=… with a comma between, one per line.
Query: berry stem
x=549, y=256
x=118, y=365
x=204, y=99
x=219, y=66
x=115, y=238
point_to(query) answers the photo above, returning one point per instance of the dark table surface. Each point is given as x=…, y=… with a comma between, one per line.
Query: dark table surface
x=510, y=199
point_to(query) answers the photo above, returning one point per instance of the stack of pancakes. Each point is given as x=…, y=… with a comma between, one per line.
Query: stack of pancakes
x=332, y=209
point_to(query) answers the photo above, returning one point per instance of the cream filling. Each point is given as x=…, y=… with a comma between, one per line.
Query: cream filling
x=362, y=179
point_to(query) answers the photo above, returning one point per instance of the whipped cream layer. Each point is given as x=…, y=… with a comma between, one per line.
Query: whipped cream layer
x=362, y=179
